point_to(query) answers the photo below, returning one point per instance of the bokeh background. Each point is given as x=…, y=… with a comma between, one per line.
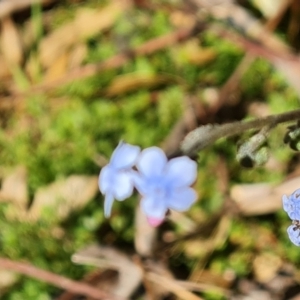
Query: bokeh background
x=76, y=77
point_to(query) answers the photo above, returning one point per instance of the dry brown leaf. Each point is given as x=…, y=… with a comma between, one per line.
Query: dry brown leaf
x=266, y=266
x=130, y=274
x=58, y=68
x=262, y=198
x=8, y=279
x=55, y=44
x=202, y=56
x=63, y=197
x=77, y=55
x=191, y=52
x=87, y=23
x=181, y=19
x=14, y=188
x=4, y=68
x=197, y=55
x=68, y=60
x=10, y=42
x=131, y=82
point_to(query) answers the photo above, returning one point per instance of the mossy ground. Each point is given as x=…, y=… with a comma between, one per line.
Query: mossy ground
x=59, y=134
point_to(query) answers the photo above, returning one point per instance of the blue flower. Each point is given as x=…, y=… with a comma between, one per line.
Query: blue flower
x=291, y=204
x=294, y=233
x=164, y=185
x=115, y=179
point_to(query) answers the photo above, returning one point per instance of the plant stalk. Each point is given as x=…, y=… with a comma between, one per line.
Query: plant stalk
x=206, y=135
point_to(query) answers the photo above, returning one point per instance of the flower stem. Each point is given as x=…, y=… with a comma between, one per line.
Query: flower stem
x=206, y=135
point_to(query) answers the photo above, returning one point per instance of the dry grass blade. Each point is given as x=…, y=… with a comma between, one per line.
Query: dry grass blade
x=286, y=63
x=130, y=274
x=245, y=22
x=234, y=80
x=272, y=48
x=203, y=287
x=172, y=286
x=217, y=238
x=132, y=82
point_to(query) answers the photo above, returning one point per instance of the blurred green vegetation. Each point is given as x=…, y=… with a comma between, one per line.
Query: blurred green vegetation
x=59, y=135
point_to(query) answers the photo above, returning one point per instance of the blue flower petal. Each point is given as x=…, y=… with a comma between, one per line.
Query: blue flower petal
x=108, y=202
x=295, y=214
x=295, y=196
x=123, y=185
x=152, y=162
x=124, y=156
x=140, y=183
x=153, y=207
x=294, y=235
x=106, y=179
x=291, y=204
x=164, y=184
x=182, y=199
x=181, y=171
x=115, y=179
x=286, y=203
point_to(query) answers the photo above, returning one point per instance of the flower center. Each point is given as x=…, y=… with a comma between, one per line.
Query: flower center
x=159, y=188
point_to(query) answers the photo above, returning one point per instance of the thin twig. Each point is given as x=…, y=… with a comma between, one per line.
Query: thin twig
x=243, y=21
x=54, y=279
x=233, y=81
x=208, y=134
x=118, y=60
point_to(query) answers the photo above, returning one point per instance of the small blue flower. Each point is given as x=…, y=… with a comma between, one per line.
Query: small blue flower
x=115, y=179
x=164, y=185
x=294, y=233
x=291, y=204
